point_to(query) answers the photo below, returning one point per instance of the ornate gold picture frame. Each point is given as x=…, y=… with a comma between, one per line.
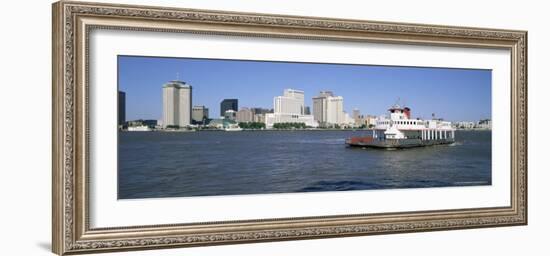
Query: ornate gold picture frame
x=72, y=23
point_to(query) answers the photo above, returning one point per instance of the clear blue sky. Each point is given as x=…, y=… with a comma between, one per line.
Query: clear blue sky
x=452, y=94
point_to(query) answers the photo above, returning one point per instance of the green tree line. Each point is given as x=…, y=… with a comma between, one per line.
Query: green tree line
x=289, y=126
x=252, y=125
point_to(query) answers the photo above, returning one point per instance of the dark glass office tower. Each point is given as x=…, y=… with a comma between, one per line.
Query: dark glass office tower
x=228, y=104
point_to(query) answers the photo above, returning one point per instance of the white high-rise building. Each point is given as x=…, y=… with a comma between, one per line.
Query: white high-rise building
x=176, y=104
x=292, y=102
x=335, y=110
x=289, y=108
x=320, y=106
x=329, y=109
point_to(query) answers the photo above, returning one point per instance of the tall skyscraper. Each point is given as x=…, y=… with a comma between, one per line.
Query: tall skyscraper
x=228, y=104
x=329, y=109
x=289, y=108
x=320, y=106
x=176, y=101
x=292, y=102
x=335, y=110
x=121, y=108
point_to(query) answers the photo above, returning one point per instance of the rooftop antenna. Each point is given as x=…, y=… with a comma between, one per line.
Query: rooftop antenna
x=177, y=76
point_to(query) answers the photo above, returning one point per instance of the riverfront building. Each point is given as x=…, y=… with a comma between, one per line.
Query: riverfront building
x=229, y=104
x=289, y=108
x=259, y=118
x=465, y=125
x=230, y=114
x=261, y=110
x=362, y=120
x=328, y=110
x=121, y=108
x=245, y=115
x=485, y=124
x=356, y=114
x=176, y=104
x=370, y=121
x=199, y=114
x=259, y=114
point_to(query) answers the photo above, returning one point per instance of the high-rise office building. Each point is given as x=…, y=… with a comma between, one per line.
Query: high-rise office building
x=335, y=110
x=320, y=106
x=228, y=104
x=121, y=108
x=176, y=101
x=289, y=108
x=199, y=114
x=328, y=109
x=292, y=102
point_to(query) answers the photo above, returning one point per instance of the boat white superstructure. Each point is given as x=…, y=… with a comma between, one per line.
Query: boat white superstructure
x=398, y=130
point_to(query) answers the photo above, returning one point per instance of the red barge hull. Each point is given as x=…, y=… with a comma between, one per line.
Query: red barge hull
x=370, y=142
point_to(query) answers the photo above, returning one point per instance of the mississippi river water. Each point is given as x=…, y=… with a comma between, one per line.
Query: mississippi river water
x=175, y=164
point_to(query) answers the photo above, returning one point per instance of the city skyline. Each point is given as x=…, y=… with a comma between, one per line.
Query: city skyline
x=452, y=94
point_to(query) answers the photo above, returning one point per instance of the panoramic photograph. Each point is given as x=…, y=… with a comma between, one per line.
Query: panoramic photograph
x=213, y=127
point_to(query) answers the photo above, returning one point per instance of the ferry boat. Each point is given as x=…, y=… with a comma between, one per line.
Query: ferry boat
x=399, y=130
